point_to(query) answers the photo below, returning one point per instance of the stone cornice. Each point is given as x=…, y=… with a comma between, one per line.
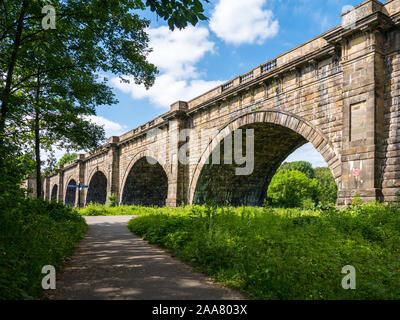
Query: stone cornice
x=377, y=20
x=396, y=19
x=174, y=114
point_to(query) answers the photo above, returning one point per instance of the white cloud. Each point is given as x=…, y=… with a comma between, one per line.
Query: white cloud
x=168, y=89
x=175, y=53
x=239, y=21
x=111, y=128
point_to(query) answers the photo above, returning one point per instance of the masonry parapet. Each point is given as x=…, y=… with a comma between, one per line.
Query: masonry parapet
x=369, y=13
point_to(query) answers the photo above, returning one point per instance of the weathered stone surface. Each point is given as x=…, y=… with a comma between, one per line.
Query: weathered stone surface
x=145, y=185
x=97, y=192
x=339, y=91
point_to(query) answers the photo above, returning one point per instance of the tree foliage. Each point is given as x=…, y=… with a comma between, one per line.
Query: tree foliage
x=289, y=188
x=302, y=166
x=292, y=189
x=67, y=157
x=179, y=12
x=328, y=187
x=49, y=78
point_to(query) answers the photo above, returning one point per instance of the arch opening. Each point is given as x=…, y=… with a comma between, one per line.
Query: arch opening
x=54, y=192
x=273, y=143
x=146, y=185
x=70, y=194
x=97, y=191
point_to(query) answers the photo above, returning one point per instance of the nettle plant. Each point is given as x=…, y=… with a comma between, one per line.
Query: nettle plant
x=113, y=200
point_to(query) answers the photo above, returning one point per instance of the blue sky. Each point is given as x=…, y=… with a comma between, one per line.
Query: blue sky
x=239, y=35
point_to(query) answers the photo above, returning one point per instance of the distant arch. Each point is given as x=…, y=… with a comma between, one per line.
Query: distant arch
x=145, y=183
x=54, y=193
x=70, y=193
x=97, y=191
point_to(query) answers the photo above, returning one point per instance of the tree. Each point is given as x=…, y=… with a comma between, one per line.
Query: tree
x=302, y=166
x=56, y=104
x=289, y=188
x=49, y=78
x=109, y=35
x=67, y=157
x=328, y=187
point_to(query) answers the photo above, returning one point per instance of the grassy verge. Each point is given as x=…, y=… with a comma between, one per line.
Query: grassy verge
x=101, y=210
x=284, y=254
x=33, y=234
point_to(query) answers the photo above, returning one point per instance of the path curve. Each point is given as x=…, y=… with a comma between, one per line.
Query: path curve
x=112, y=263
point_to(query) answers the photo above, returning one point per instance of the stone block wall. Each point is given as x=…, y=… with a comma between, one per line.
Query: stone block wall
x=339, y=91
x=390, y=151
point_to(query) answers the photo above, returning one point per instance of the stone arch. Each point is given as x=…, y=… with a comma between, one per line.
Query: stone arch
x=290, y=124
x=54, y=193
x=144, y=183
x=97, y=191
x=70, y=193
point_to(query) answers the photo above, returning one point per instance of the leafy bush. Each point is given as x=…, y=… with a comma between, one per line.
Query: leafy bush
x=289, y=188
x=302, y=166
x=113, y=200
x=327, y=193
x=284, y=253
x=327, y=185
x=34, y=233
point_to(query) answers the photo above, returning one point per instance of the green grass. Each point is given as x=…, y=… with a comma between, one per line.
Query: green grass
x=34, y=233
x=284, y=254
x=101, y=210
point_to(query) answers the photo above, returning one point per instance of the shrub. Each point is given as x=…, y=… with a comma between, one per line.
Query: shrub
x=34, y=233
x=327, y=185
x=113, y=202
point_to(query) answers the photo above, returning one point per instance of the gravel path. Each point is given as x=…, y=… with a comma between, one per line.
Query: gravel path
x=112, y=263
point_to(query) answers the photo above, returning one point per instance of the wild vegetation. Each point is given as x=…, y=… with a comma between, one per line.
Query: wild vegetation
x=270, y=253
x=34, y=233
x=293, y=248
x=101, y=210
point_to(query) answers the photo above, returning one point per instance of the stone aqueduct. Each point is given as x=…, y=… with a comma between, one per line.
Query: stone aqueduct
x=339, y=91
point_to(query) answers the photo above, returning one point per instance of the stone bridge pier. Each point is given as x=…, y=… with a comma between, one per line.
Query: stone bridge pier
x=339, y=91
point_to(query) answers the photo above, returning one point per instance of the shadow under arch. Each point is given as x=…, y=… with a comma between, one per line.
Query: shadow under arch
x=277, y=135
x=145, y=183
x=70, y=193
x=97, y=191
x=54, y=192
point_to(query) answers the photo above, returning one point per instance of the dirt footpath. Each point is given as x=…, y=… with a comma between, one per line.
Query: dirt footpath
x=112, y=263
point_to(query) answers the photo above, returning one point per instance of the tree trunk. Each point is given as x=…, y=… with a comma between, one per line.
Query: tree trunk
x=37, y=138
x=37, y=155
x=10, y=72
